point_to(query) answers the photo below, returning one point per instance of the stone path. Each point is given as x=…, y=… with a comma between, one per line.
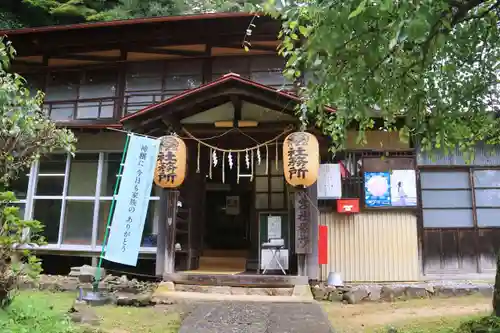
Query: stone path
x=256, y=317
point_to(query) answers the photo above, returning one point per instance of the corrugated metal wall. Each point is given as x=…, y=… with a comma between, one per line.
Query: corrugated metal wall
x=372, y=246
x=483, y=156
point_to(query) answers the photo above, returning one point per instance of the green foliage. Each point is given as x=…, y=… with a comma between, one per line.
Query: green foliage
x=481, y=325
x=13, y=234
x=34, y=314
x=70, y=11
x=431, y=65
x=26, y=133
x=126, y=9
x=20, y=13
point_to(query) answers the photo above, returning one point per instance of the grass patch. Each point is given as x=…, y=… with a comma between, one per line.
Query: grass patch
x=44, y=312
x=35, y=313
x=438, y=324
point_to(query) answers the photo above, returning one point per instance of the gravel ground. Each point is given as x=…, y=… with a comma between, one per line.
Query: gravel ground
x=254, y=317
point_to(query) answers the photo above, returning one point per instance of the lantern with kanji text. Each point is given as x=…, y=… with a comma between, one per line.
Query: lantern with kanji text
x=301, y=159
x=171, y=163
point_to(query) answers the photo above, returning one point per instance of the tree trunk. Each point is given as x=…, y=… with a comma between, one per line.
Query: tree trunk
x=496, y=291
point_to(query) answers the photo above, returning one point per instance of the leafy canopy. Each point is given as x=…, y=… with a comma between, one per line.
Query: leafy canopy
x=433, y=65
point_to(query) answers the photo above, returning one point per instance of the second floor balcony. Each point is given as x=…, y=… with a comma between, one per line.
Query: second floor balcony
x=106, y=94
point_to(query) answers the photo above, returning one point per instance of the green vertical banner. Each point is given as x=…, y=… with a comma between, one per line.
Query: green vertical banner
x=132, y=201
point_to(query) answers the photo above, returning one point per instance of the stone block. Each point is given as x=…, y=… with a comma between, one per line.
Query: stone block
x=374, y=292
x=284, y=292
x=456, y=290
x=392, y=293
x=74, y=272
x=302, y=291
x=83, y=314
x=335, y=296
x=222, y=290
x=258, y=291
x=69, y=285
x=239, y=291
x=319, y=293
x=137, y=300
x=356, y=295
x=87, y=273
x=164, y=287
x=416, y=292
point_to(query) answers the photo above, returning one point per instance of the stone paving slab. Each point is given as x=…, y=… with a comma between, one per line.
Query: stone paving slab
x=254, y=317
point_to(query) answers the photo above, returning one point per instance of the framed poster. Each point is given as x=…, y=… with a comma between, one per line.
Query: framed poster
x=329, y=183
x=274, y=227
x=396, y=188
x=377, y=189
x=403, y=188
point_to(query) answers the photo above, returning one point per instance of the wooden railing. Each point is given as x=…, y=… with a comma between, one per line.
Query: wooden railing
x=82, y=109
x=105, y=108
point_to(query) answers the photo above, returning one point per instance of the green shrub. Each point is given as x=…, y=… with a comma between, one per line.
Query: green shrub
x=34, y=315
x=482, y=325
x=15, y=263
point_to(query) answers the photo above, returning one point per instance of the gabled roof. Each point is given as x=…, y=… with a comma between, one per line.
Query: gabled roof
x=220, y=90
x=121, y=23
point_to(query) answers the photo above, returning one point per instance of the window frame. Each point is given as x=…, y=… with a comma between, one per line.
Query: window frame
x=472, y=189
x=32, y=197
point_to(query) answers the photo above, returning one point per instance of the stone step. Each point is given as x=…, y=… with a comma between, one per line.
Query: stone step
x=226, y=290
x=224, y=263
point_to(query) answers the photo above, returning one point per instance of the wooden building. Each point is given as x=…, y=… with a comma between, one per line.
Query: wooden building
x=460, y=200
x=190, y=75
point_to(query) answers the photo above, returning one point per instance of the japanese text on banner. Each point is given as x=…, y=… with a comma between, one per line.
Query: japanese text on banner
x=132, y=201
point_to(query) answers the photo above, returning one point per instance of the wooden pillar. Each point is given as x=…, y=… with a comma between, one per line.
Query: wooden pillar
x=302, y=229
x=306, y=232
x=162, y=233
x=165, y=255
x=313, y=270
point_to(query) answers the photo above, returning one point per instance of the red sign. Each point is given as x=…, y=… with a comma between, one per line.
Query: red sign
x=323, y=245
x=348, y=206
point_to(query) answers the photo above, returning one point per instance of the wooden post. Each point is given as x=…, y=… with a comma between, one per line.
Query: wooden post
x=162, y=233
x=313, y=268
x=302, y=229
x=169, y=256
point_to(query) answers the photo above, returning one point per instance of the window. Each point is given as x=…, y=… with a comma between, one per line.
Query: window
x=181, y=76
x=487, y=195
x=153, y=82
x=446, y=199
x=81, y=94
x=268, y=70
x=270, y=187
x=73, y=196
x=224, y=65
x=144, y=84
x=61, y=91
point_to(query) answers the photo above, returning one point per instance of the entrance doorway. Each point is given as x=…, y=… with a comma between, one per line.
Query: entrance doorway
x=228, y=214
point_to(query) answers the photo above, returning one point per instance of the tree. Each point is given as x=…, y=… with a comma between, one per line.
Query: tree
x=32, y=13
x=126, y=9
x=429, y=69
x=26, y=134
x=432, y=65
